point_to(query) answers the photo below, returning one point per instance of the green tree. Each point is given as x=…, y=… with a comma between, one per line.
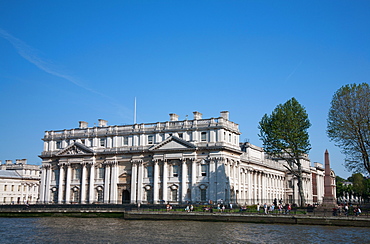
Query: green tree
x=340, y=187
x=349, y=125
x=359, y=185
x=285, y=137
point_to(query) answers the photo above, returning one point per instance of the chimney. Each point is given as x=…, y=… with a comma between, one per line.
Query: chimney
x=24, y=161
x=225, y=115
x=83, y=124
x=197, y=115
x=7, y=162
x=18, y=161
x=174, y=117
x=102, y=123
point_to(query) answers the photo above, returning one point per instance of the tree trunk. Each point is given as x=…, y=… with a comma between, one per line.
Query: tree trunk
x=300, y=191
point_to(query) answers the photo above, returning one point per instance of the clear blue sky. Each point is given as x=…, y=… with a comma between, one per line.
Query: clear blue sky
x=66, y=61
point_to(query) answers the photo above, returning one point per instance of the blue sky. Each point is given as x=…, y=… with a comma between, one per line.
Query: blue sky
x=66, y=61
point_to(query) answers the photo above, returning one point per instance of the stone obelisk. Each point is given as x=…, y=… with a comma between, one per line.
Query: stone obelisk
x=329, y=199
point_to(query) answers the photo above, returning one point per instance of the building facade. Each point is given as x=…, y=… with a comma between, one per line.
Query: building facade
x=198, y=161
x=19, y=182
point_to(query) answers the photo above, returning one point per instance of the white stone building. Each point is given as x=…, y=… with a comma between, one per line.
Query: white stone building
x=198, y=161
x=19, y=182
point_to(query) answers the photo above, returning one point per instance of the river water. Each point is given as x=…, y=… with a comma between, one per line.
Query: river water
x=112, y=230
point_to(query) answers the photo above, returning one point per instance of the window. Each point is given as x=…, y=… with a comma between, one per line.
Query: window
x=77, y=175
x=59, y=144
x=150, y=139
x=180, y=135
x=149, y=195
x=125, y=140
x=203, y=169
x=12, y=187
x=100, y=195
x=76, y=195
x=5, y=187
x=55, y=197
x=229, y=137
x=290, y=184
x=175, y=170
x=101, y=173
x=102, y=142
x=203, y=195
x=174, y=195
x=19, y=188
x=149, y=171
x=203, y=136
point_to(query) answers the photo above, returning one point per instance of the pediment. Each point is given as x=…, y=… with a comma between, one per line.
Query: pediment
x=173, y=143
x=75, y=149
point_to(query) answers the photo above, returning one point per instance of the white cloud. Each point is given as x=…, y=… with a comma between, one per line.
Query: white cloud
x=30, y=54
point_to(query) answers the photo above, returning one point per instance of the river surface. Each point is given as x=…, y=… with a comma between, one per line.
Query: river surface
x=112, y=230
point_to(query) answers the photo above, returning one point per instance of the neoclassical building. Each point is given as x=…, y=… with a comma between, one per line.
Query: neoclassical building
x=19, y=182
x=198, y=160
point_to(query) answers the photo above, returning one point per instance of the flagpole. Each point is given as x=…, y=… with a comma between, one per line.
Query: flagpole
x=135, y=111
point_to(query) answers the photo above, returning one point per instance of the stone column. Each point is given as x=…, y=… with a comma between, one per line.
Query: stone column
x=68, y=183
x=249, y=194
x=48, y=181
x=183, y=180
x=193, y=180
x=114, y=179
x=261, y=185
x=257, y=184
x=92, y=183
x=237, y=182
x=83, y=183
x=211, y=179
x=106, y=183
x=155, y=182
x=228, y=170
x=133, y=181
x=60, y=184
x=140, y=182
x=43, y=186
x=164, y=181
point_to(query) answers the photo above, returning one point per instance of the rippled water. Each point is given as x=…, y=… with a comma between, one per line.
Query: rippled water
x=110, y=230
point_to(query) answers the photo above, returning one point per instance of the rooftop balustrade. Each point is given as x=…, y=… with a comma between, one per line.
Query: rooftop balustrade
x=140, y=128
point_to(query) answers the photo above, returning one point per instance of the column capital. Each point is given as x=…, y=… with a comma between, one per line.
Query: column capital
x=136, y=161
x=189, y=159
x=46, y=166
x=218, y=159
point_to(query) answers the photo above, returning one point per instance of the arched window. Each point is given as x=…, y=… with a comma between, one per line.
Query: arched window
x=148, y=194
x=174, y=193
x=75, y=194
x=203, y=193
x=100, y=196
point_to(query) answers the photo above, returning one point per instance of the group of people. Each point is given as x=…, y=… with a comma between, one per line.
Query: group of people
x=189, y=208
x=344, y=208
x=284, y=209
